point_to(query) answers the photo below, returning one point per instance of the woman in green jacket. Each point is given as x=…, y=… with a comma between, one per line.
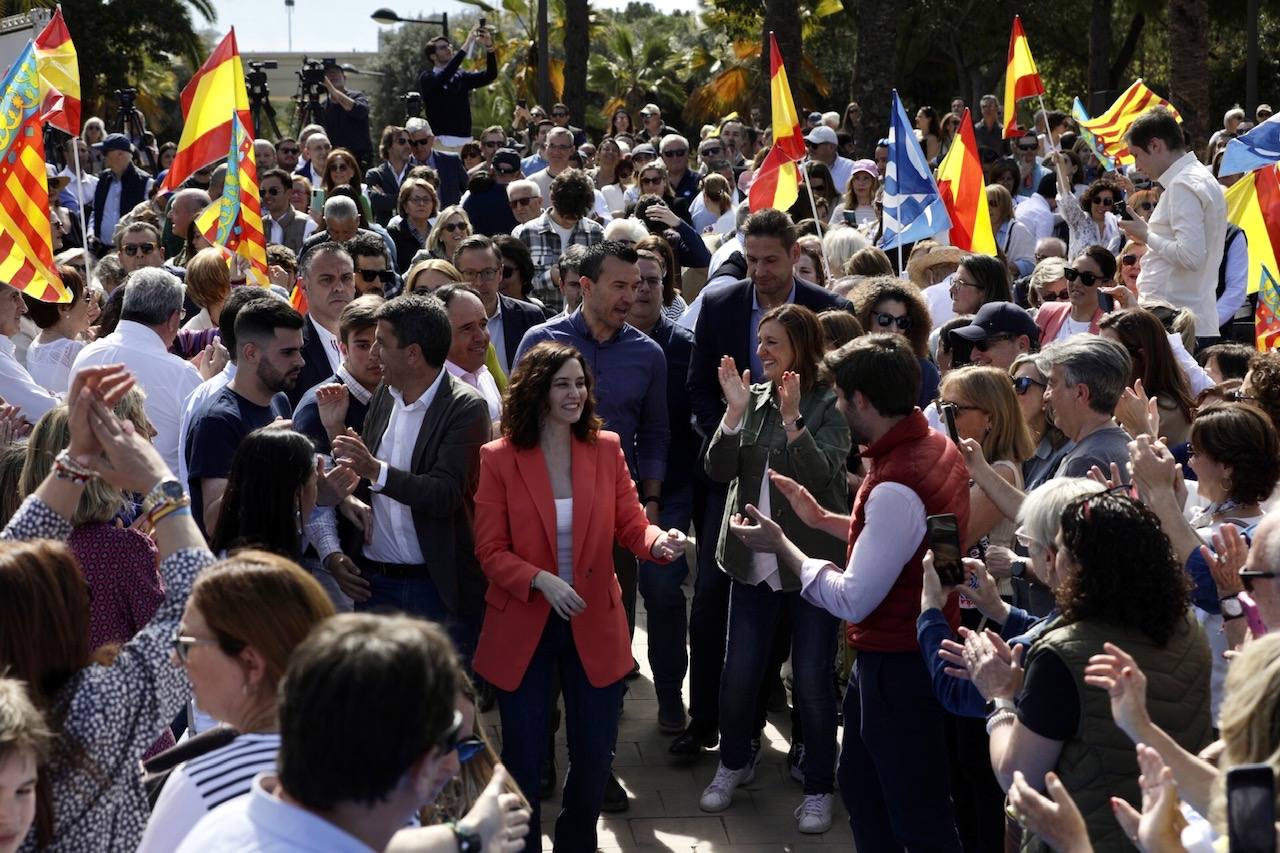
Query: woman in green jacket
x=789, y=424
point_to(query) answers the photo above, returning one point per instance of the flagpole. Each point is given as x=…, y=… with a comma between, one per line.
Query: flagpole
x=84, y=229
x=1048, y=131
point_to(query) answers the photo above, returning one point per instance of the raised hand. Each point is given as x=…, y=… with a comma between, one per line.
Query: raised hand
x=1159, y=827
x=131, y=463
x=1119, y=674
x=789, y=395
x=107, y=383
x=1226, y=558
x=736, y=390
x=332, y=402
x=758, y=532
x=803, y=503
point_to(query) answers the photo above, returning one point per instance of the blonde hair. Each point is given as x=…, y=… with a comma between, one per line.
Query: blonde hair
x=991, y=390
x=999, y=196
x=430, y=264
x=22, y=726
x=1248, y=717
x=435, y=240
x=99, y=502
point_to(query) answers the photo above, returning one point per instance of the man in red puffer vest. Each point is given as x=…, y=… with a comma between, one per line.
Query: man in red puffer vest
x=893, y=765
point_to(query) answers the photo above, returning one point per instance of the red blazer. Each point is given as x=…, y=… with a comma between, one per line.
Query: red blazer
x=1051, y=315
x=515, y=530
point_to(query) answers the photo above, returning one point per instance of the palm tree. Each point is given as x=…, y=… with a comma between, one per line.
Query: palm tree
x=632, y=75
x=1188, y=22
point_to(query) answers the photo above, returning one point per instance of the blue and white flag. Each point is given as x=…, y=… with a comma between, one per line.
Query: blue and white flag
x=1257, y=148
x=913, y=208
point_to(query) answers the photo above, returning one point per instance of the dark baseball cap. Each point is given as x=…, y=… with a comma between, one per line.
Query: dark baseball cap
x=999, y=318
x=506, y=160
x=115, y=142
x=644, y=149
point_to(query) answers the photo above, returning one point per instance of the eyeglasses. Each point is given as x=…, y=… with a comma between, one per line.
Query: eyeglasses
x=522, y=202
x=884, y=320
x=419, y=143
x=132, y=249
x=651, y=281
x=401, y=140
x=1105, y=201
x=986, y=344
x=1238, y=396
x=675, y=152
x=385, y=276
x=942, y=403
x=1022, y=384
x=455, y=226
x=488, y=274
x=289, y=150
x=341, y=166
x=1247, y=576
x=957, y=283
x=182, y=645
x=1055, y=296
x=1129, y=260
x=419, y=199
x=1088, y=279
x=711, y=151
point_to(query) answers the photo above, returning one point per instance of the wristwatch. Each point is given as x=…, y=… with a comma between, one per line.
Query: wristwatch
x=165, y=490
x=796, y=425
x=468, y=840
x=1231, y=608
x=1017, y=568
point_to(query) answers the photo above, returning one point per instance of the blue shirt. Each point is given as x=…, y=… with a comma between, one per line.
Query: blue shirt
x=630, y=385
x=757, y=370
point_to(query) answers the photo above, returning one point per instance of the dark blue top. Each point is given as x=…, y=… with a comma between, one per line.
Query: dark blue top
x=349, y=129
x=489, y=211
x=928, y=382
x=447, y=96
x=216, y=432
x=682, y=457
x=630, y=373
x=306, y=418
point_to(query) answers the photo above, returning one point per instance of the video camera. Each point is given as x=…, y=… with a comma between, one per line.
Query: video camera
x=311, y=77
x=412, y=104
x=256, y=79
x=126, y=98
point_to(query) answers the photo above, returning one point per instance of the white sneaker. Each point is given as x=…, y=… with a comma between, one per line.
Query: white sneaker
x=719, y=794
x=814, y=814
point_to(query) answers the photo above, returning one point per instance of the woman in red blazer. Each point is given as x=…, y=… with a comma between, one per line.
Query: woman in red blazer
x=554, y=496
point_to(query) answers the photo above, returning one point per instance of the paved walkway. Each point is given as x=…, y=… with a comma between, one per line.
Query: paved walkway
x=664, y=790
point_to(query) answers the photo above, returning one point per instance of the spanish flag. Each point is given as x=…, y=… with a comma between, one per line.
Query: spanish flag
x=236, y=221
x=1021, y=79
x=964, y=193
x=59, y=76
x=1109, y=129
x=208, y=102
x=1253, y=204
x=776, y=183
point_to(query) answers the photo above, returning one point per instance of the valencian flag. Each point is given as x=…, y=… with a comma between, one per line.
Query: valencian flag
x=1253, y=204
x=965, y=194
x=208, y=103
x=776, y=184
x=236, y=221
x=1110, y=128
x=1021, y=79
x=1081, y=116
x=59, y=76
x=26, y=238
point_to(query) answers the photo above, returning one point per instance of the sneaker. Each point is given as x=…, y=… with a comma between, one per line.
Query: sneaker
x=814, y=814
x=719, y=794
x=795, y=760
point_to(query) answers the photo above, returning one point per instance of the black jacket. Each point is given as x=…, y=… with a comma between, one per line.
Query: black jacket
x=349, y=129
x=316, y=367
x=518, y=317
x=447, y=96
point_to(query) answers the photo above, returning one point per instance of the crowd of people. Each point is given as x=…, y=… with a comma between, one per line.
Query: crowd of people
x=269, y=552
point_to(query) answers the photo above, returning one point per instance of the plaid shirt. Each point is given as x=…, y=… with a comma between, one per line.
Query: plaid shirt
x=545, y=249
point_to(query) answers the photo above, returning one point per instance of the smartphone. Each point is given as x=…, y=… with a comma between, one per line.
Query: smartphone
x=522, y=104
x=317, y=201
x=483, y=23
x=949, y=418
x=1251, y=615
x=1251, y=808
x=1121, y=209
x=943, y=535
x=1106, y=302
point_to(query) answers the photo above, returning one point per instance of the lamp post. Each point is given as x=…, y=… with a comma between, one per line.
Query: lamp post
x=386, y=16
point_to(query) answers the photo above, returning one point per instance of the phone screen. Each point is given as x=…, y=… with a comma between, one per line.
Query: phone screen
x=1251, y=808
x=949, y=418
x=943, y=534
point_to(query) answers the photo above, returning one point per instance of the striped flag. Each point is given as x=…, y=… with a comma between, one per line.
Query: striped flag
x=965, y=194
x=1081, y=115
x=1110, y=127
x=236, y=221
x=59, y=76
x=913, y=208
x=1253, y=204
x=1021, y=79
x=208, y=102
x=26, y=237
x=776, y=183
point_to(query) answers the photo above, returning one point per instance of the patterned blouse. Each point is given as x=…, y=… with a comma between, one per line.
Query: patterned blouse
x=111, y=713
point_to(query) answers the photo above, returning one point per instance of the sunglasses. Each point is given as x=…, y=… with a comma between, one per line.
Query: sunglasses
x=522, y=202
x=1028, y=147
x=1104, y=201
x=941, y=404
x=455, y=226
x=1238, y=396
x=1147, y=205
x=712, y=150
x=1247, y=576
x=1055, y=296
x=988, y=343
x=653, y=181
x=272, y=191
x=133, y=249
x=559, y=113
x=290, y=150
x=884, y=321
x=1129, y=260
x=818, y=188
x=1088, y=279
x=419, y=143
x=340, y=166
x=385, y=276
x=675, y=152
x=469, y=748
x=1022, y=384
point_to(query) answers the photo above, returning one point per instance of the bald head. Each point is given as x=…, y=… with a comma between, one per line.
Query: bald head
x=1050, y=247
x=185, y=206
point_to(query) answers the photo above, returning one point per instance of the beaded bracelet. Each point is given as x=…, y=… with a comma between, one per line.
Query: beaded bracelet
x=66, y=468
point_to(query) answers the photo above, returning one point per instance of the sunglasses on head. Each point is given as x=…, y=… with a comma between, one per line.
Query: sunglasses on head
x=385, y=276
x=884, y=320
x=133, y=249
x=990, y=341
x=1022, y=384
x=1088, y=279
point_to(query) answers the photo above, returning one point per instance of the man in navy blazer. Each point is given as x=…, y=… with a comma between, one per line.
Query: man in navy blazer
x=328, y=280
x=449, y=168
x=727, y=325
x=481, y=265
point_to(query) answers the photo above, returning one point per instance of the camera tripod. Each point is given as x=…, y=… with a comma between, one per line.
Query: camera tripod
x=310, y=110
x=260, y=100
x=130, y=122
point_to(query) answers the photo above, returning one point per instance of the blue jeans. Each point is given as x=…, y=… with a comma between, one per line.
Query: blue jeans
x=419, y=597
x=755, y=613
x=708, y=617
x=894, y=775
x=591, y=721
x=660, y=586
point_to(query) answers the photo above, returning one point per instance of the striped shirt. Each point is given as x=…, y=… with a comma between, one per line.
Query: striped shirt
x=199, y=786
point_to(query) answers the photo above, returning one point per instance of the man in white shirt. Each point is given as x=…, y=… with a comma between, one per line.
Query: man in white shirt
x=17, y=388
x=558, y=150
x=470, y=343
x=1036, y=211
x=357, y=798
x=822, y=143
x=1186, y=233
x=77, y=193
x=149, y=321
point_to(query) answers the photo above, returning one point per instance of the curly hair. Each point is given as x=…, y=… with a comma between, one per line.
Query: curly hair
x=867, y=295
x=525, y=402
x=1126, y=573
x=1241, y=437
x=1100, y=185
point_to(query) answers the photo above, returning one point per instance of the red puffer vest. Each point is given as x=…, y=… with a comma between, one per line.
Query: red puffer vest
x=931, y=466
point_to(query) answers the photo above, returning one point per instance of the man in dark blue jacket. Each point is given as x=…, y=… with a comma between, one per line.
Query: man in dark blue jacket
x=449, y=168
x=446, y=88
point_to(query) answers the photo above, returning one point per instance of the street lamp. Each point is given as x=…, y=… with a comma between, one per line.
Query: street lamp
x=386, y=16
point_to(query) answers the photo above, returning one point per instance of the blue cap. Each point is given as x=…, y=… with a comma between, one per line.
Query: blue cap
x=999, y=318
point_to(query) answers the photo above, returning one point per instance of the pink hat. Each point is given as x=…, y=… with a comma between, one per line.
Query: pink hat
x=868, y=166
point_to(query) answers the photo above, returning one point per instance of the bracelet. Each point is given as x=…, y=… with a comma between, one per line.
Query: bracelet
x=999, y=718
x=166, y=508
x=66, y=468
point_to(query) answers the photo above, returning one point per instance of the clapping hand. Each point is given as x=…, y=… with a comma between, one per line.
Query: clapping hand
x=1119, y=674
x=1226, y=558
x=1054, y=818
x=129, y=461
x=759, y=532
x=13, y=425
x=669, y=545
x=789, y=395
x=994, y=668
x=736, y=390
x=803, y=503
x=1158, y=828
x=332, y=402
x=107, y=383
x=1138, y=413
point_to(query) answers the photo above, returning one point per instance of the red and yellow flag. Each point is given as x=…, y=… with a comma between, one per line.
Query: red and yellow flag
x=965, y=194
x=1109, y=129
x=1253, y=204
x=59, y=76
x=236, y=221
x=776, y=183
x=208, y=102
x=1021, y=79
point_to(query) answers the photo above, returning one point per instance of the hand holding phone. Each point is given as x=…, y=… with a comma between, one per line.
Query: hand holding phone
x=942, y=532
x=949, y=418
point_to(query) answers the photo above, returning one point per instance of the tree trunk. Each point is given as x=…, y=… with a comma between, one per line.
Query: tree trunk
x=1189, y=65
x=575, y=59
x=1128, y=47
x=1099, y=74
x=545, y=95
x=875, y=69
x=781, y=19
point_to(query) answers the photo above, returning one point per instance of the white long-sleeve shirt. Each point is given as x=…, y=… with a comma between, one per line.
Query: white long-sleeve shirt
x=17, y=388
x=1185, y=239
x=894, y=529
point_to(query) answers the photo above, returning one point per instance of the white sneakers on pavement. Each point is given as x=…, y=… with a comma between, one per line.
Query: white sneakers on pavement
x=814, y=814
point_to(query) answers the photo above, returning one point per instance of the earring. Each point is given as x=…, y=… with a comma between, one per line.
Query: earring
x=297, y=511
